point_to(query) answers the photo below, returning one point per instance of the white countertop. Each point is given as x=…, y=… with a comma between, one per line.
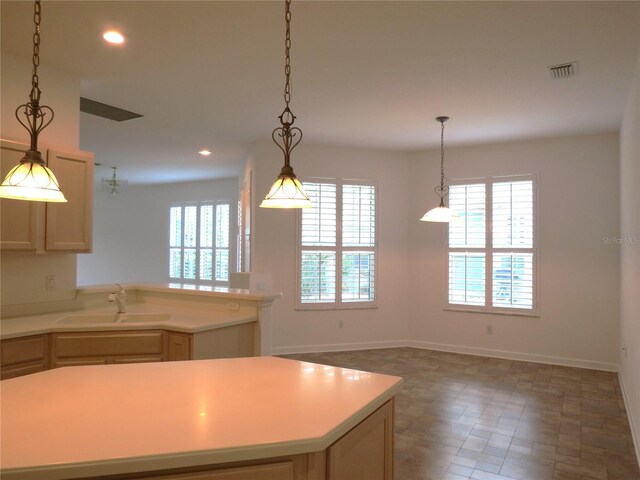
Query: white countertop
x=182, y=319
x=97, y=420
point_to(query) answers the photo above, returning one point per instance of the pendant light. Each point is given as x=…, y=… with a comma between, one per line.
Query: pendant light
x=287, y=191
x=31, y=179
x=112, y=184
x=441, y=213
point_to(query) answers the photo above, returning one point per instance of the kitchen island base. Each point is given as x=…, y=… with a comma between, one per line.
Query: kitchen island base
x=363, y=453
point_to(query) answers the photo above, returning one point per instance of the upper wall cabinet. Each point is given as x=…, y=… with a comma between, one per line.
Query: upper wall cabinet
x=50, y=227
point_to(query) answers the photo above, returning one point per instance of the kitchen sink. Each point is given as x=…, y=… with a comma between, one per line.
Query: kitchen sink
x=89, y=319
x=143, y=317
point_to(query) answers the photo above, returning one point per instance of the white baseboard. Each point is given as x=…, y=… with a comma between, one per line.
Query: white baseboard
x=442, y=347
x=509, y=355
x=338, y=347
x=633, y=422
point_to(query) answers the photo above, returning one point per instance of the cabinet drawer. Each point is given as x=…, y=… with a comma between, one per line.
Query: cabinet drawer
x=23, y=350
x=78, y=361
x=269, y=471
x=107, y=344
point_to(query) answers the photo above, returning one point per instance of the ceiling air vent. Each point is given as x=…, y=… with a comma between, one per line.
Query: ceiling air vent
x=106, y=111
x=564, y=70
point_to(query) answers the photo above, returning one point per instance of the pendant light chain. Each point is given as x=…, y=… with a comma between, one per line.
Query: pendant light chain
x=287, y=60
x=442, y=157
x=35, y=80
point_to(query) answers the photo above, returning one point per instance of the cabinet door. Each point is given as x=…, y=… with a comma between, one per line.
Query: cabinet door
x=19, y=219
x=69, y=225
x=366, y=451
x=21, y=356
x=178, y=346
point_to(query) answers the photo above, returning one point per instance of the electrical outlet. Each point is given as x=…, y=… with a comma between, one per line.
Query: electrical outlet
x=233, y=306
x=50, y=282
x=340, y=323
x=489, y=330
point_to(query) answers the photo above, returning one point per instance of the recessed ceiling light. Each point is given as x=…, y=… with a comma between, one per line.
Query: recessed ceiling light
x=114, y=37
x=205, y=152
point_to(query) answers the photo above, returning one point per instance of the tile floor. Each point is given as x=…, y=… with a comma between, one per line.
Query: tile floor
x=466, y=417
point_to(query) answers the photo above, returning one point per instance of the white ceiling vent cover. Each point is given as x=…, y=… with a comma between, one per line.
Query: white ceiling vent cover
x=564, y=70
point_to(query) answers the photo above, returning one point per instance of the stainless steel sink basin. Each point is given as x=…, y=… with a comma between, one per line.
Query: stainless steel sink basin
x=143, y=317
x=89, y=319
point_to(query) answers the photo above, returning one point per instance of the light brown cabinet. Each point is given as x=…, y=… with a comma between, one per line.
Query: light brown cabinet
x=20, y=356
x=269, y=471
x=366, y=451
x=178, y=346
x=32, y=354
x=97, y=348
x=50, y=227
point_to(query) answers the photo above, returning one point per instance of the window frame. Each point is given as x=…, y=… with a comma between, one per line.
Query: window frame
x=489, y=250
x=198, y=281
x=339, y=249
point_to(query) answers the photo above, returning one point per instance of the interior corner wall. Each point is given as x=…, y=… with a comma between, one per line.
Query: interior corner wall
x=23, y=274
x=630, y=258
x=577, y=184
x=131, y=230
x=274, y=248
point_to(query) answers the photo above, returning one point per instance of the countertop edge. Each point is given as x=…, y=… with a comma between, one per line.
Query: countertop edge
x=222, y=292
x=201, y=458
x=128, y=326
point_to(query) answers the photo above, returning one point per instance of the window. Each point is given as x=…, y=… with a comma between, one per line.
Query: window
x=491, y=252
x=337, y=246
x=199, y=242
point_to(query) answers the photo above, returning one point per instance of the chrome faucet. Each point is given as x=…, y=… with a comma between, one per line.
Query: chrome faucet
x=120, y=298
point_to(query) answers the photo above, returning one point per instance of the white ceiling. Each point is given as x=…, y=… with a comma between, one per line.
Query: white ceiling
x=365, y=73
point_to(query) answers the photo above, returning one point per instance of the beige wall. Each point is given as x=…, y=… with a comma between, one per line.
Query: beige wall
x=577, y=179
x=630, y=257
x=131, y=230
x=274, y=248
x=23, y=275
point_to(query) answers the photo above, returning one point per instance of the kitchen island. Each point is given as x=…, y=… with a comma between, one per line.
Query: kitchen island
x=259, y=418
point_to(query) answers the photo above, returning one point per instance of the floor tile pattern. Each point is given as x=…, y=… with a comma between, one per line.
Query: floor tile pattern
x=467, y=417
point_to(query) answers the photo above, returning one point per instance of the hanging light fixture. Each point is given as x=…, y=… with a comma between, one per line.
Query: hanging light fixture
x=112, y=184
x=287, y=191
x=441, y=213
x=31, y=179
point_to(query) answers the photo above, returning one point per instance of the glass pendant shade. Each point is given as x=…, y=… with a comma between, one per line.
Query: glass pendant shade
x=33, y=182
x=440, y=214
x=286, y=192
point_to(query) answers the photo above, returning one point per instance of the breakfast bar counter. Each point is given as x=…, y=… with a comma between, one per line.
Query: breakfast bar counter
x=243, y=418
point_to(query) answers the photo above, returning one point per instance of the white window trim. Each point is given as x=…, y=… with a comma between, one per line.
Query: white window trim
x=489, y=251
x=338, y=304
x=197, y=281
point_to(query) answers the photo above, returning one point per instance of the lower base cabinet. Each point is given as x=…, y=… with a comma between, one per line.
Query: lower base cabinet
x=20, y=356
x=363, y=453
